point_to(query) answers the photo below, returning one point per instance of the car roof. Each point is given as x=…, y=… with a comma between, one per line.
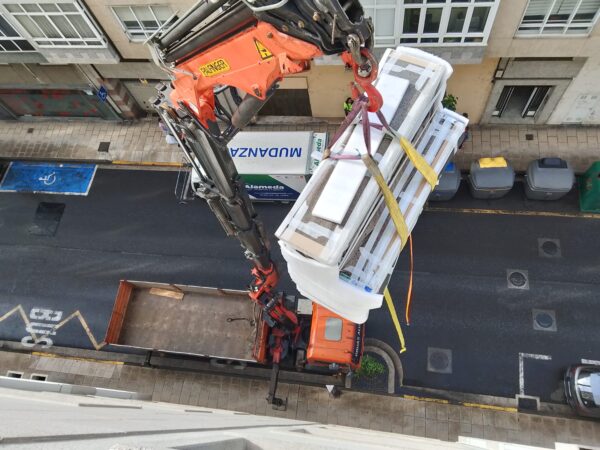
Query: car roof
x=595, y=385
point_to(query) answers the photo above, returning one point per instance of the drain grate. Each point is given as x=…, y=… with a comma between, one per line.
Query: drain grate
x=103, y=147
x=549, y=248
x=517, y=279
x=526, y=403
x=29, y=130
x=47, y=218
x=439, y=360
x=544, y=320
x=529, y=137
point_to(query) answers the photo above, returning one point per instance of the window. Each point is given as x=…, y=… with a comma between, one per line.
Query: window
x=141, y=22
x=431, y=22
x=559, y=17
x=520, y=101
x=56, y=24
x=333, y=329
x=11, y=40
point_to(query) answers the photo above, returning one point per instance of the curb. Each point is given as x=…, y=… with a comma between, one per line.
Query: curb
x=121, y=162
x=99, y=162
x=164, y=362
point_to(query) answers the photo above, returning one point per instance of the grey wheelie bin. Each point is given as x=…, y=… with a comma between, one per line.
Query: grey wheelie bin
x=448, y=184
x=548, y=179
x=491, y=178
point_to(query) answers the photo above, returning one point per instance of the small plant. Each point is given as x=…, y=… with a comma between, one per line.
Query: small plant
x=449, y=102
x=369, y=368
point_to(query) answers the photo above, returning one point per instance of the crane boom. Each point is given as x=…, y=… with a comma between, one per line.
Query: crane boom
x=220, y=49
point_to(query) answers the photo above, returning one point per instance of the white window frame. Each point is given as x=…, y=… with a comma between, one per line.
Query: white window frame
x=13, y=39
x=147, y=33
x=546, y=29
x=62, y=41
x=421, y=38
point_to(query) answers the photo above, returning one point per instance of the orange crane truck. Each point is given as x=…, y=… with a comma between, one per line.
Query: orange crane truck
x=215, y=53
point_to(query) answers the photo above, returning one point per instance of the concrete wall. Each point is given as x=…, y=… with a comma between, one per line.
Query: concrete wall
x=103, y=13
x=580, y=104
x=571, y=100
x=472, y=84
x=132, y=70
x=21, y=58
x=38, y=76
x=538, y=72
x=328, y=87
x=504, y=42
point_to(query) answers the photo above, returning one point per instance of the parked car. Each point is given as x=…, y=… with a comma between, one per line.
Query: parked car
x=582, y=389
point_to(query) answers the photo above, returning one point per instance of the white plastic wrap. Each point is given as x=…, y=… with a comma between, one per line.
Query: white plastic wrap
x=338, y=240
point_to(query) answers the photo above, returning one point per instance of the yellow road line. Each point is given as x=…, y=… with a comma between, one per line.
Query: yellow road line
x=76, y=358
x=147, y=163
x=85, y=326
x=23, y=315
x=506, y=212
x=426, y=399
x=466, y=404
x=491, y=407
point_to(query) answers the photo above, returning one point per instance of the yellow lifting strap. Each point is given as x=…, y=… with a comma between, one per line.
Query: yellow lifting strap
x=419, y=162
x=401, y=229
x=389, y=198
x=392, y=308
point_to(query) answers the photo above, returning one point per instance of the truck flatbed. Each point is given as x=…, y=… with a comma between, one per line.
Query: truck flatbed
x=191, y=320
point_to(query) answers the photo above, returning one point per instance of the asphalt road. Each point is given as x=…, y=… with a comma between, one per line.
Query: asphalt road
x=131, y=226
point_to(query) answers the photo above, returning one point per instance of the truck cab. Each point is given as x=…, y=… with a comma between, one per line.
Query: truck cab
x=334, y=340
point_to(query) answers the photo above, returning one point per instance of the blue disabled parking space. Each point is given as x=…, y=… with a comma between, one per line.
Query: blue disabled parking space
x=48, y=178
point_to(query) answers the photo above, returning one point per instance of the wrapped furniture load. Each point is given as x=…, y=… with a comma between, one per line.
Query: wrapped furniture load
x=339, y=240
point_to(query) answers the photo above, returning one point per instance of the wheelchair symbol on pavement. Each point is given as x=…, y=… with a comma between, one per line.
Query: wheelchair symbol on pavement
x=49, y=179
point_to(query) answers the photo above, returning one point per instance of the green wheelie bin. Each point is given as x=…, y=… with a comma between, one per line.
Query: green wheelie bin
x=589, y=189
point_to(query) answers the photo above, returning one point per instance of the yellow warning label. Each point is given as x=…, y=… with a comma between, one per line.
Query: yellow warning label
x=263, y=51
x=214, y=67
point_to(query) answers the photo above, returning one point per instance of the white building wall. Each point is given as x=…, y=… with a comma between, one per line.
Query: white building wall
x=580, y=104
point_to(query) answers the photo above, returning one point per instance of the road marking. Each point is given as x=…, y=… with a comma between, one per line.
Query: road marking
x=23, y=315
x=490, y=407
x=522, y=357
x=33, y=339
x=426, y=399
x=591, y=362
x=85, y=326
x=76, y=358
x=506, y=212
x=466, y=404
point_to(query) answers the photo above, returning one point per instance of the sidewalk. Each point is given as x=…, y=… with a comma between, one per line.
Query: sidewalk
x=376, y=412
x=143, y=141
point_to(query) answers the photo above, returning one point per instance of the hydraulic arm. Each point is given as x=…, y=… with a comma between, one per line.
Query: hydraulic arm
x=225, y=59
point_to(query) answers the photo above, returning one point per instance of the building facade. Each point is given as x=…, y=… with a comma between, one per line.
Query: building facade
x=516, y=61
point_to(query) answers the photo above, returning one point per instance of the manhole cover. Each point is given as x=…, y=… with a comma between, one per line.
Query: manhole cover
x=544, y=320
x=549, y=248
x=517, y=279
x=439, y=360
